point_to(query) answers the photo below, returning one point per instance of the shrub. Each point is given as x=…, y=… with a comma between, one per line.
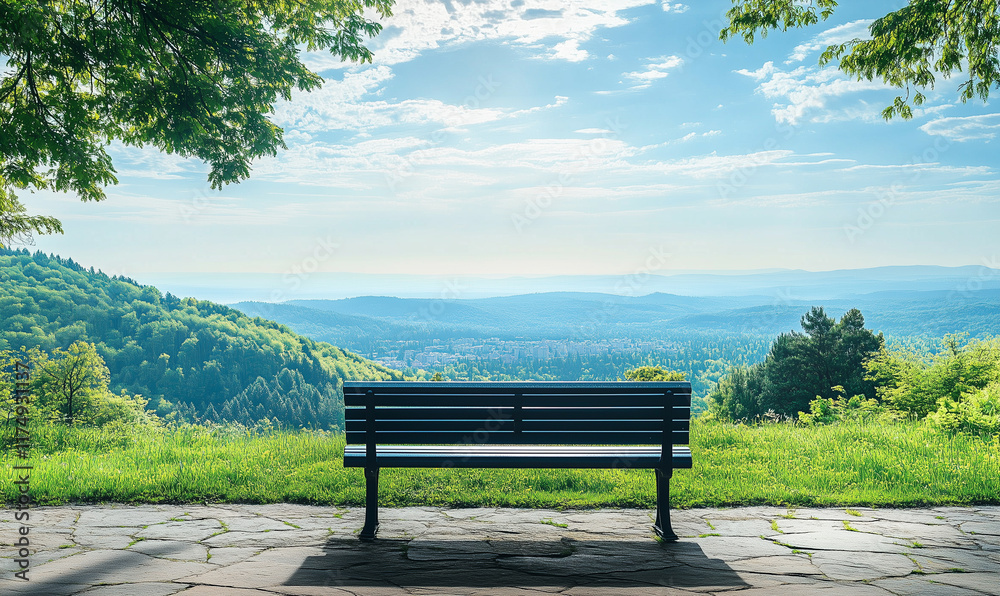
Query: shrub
x=653, y=373
x=976, y=412
x=823, y=410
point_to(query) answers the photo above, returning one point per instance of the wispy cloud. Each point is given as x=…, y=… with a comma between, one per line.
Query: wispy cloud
x=657, y=68
x=968, y=128
x=351, y=104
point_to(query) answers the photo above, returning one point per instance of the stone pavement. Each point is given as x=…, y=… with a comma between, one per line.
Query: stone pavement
x=266, y=550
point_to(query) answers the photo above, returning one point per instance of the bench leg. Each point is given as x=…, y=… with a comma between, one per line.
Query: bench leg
x=662, y=524
x=371, y=505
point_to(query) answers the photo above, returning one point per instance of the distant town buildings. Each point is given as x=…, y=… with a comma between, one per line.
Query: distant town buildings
x=414, y=354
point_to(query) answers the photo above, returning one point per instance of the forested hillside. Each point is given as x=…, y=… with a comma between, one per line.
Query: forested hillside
x=193, y=359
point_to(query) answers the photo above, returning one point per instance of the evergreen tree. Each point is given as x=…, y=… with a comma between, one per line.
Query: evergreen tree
x=801, y=367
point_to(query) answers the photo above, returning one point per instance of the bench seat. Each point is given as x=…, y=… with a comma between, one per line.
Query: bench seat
x=516, y=456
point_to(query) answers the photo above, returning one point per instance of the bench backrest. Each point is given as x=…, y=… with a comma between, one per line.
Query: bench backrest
x=532, y=413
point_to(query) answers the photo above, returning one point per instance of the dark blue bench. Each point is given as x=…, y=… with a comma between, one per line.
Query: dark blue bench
x=518, y=425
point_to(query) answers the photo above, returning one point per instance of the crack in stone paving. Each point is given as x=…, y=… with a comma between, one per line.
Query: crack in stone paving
x=298, y=550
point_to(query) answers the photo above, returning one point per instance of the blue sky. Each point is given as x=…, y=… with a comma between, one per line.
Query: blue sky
x=544, y=138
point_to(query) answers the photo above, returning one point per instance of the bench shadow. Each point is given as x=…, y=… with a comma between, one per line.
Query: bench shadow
x=508, y=562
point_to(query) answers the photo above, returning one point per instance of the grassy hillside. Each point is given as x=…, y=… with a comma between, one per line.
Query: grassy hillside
x=192, y=359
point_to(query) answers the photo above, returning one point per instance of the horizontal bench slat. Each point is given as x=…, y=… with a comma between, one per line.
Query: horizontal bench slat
x=552, y=401
x=516, y=456
x=526, y=387
x=494, y=424
x=528, y=413
x=510, y=438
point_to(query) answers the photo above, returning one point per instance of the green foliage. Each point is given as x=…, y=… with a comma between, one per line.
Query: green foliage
x=908, y=47
x=191, y=78
x=747, y=18
x=187, y=357
x=654, y=373
x=16, y=226
x=802, y=367
x=70, y=383
x=738, y=394
x=71, y=386
x=286, y=400
x=978, y=412
x=916, y=383
x=829, y=410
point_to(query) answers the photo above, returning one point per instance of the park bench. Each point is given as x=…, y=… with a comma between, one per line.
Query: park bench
x=393, y=424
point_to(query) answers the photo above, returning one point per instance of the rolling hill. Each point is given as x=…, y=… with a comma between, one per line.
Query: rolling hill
x=193, y=359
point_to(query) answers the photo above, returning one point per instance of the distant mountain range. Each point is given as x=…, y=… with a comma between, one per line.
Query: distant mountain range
x=355, y=322
x=774, y=284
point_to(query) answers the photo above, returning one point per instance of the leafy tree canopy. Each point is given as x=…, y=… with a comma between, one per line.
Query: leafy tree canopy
x=196, y=78
x=909, y=47
x=654, y=373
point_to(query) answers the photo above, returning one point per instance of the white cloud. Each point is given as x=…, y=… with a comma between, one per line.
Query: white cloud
x=656, y=69
x=415, y=27
x=968, y=128
x=569, y=51
x=760, y=74
x=688, y=137
x=837, y=35
x=350, y=104
x=809, y=90
x=676, y=7
x=593, y=131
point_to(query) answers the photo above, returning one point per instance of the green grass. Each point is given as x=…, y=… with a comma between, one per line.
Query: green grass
x=857, y=464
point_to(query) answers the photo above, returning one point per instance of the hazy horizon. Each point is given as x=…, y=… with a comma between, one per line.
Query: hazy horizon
x=276, y=287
